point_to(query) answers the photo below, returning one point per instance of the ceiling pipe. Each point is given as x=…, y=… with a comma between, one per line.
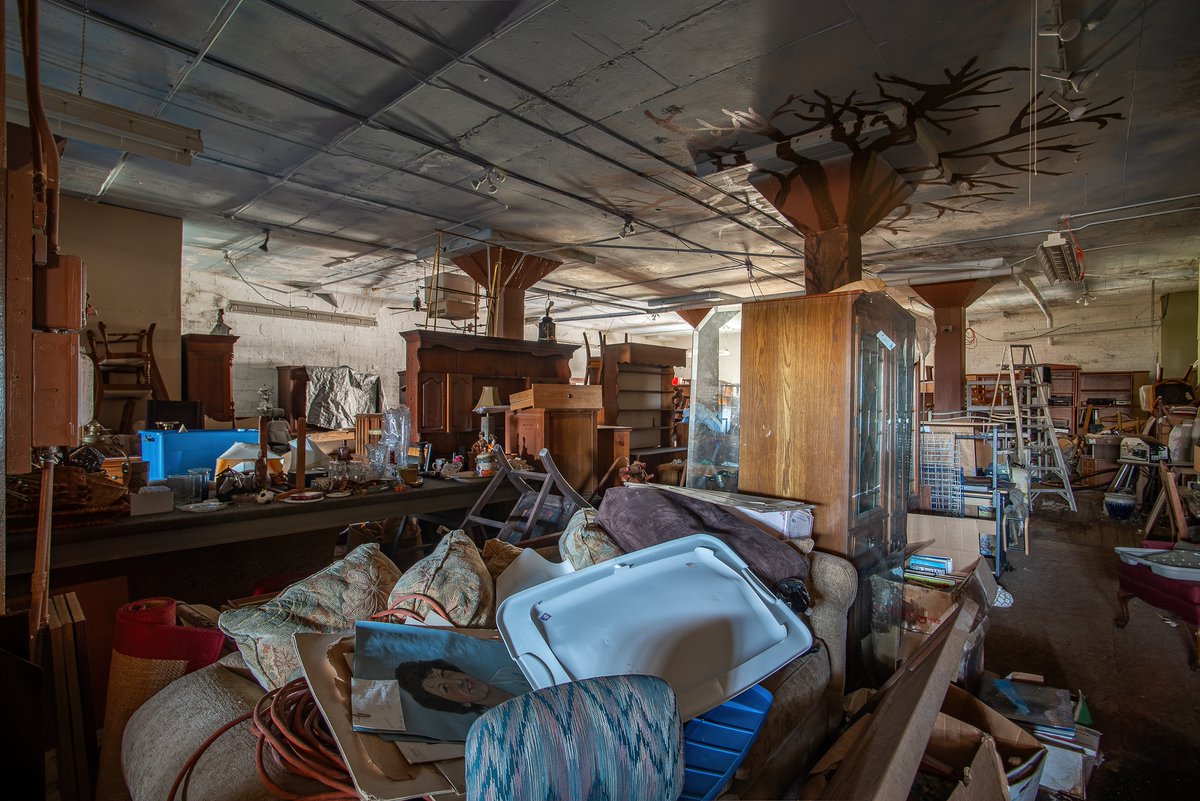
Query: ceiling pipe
x=1024, y=280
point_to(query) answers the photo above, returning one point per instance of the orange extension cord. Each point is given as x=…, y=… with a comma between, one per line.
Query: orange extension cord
x=289, y=728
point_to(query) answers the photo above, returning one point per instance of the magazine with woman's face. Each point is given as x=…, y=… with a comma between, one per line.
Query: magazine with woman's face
x=427, y=683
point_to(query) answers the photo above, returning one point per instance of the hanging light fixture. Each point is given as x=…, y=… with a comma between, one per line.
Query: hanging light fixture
x=627, y=228
x=1079, y=80
x=1064, y=32
x=1075, y=108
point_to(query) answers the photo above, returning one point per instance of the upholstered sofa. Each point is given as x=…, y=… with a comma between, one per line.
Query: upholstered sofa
x=165, y=731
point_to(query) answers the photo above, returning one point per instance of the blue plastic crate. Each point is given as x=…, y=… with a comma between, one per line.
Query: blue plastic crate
x=174, y=452
x=715, y=743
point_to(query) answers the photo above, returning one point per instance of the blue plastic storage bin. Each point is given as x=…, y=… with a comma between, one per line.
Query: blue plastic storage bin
x=174, y=452
x=716, y=743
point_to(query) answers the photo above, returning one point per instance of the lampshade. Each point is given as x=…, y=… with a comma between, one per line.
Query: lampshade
x=313, y=455
x=241, y=452
x=489, y=398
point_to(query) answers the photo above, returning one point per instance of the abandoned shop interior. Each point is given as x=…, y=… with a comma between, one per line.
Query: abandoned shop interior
x=600, y=400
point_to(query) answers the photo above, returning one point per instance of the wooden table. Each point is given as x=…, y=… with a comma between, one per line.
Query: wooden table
x=178, y=531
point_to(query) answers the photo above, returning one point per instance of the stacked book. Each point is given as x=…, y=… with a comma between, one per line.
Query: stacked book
x=931, y=571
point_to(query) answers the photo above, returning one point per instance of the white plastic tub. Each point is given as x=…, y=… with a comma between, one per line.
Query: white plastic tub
x=688, y=611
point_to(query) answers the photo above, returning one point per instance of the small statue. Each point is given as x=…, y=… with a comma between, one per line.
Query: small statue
x=635, y=473
x=264, y=406
x=220, y=329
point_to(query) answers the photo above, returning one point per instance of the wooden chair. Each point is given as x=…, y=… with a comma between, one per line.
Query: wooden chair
x=127, y=354
x=537, y=513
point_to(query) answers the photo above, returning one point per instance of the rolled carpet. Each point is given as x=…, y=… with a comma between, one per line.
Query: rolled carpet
x=149, y=652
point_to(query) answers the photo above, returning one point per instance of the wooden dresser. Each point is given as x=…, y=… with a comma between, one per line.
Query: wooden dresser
x=445, y=373
x=208, y=373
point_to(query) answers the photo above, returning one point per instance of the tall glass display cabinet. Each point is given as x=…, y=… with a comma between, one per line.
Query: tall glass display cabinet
x=811, y=399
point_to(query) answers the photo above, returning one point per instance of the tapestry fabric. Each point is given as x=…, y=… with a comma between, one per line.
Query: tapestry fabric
x=350, y=589
x=639, y=518
x=616, y=738
x=498, y=555
x=584, y=543
x=455, y=576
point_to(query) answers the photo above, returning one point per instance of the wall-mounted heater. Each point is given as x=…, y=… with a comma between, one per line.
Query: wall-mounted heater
x=1060, y=258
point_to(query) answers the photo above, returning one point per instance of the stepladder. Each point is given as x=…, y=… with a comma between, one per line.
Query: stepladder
x=1025, y=383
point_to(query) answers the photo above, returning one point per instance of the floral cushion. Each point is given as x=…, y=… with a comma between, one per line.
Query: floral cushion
x=350, y=589
x=585, y=543
x=455, y=576
x=498, y=555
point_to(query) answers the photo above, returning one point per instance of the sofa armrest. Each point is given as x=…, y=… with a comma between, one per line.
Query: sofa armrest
x=834, y=586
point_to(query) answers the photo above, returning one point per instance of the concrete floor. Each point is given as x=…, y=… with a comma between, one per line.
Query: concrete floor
x=1143, y=697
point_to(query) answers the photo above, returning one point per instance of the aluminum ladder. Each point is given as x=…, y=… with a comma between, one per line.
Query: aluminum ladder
x=1035, y=441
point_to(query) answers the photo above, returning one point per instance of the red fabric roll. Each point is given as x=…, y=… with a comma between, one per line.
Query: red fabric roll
x=146, y=629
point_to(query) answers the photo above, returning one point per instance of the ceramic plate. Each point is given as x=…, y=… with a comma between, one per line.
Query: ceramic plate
x=304, y=497
x=472, y=479
x=338, y=494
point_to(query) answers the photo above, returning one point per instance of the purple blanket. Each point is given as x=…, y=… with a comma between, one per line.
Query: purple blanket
x=638, y=518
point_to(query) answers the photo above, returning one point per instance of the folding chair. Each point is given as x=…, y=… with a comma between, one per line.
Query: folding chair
x=536, y=513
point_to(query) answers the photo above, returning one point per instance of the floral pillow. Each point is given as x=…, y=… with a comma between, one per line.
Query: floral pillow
x=454, y=576
x=585, y=543
x=350, y=589
x=498, y=555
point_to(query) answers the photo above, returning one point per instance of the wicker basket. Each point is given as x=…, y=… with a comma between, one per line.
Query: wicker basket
x=104, y=491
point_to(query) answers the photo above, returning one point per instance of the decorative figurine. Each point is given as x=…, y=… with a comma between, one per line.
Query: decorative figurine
x=264, y=407
x=635, y=473
x=220, y=329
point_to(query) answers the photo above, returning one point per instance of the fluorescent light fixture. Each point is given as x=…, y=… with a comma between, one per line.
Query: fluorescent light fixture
x=74, y=117
x=308, y=315
x=710, y=296
x=1059, y=259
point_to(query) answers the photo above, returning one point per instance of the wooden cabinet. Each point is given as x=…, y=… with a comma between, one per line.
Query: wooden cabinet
x=445, y=373
x=612, y=443
x=55, y=389
x=829, y=418
x=569, y=435
x=208, y=373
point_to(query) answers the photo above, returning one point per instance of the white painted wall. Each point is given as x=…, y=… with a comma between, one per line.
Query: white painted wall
x=267, y=342
x=1101, y=336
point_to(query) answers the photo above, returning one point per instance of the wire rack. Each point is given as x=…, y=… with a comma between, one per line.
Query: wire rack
x=941, y=471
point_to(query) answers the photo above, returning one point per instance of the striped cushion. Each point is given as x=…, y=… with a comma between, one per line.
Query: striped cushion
x=616, y=738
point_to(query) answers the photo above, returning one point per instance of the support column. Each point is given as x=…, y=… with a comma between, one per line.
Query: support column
x=512, y=272
x=950, y=300
x=833, y=203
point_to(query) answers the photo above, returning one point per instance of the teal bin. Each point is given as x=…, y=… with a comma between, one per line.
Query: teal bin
x=174, y=452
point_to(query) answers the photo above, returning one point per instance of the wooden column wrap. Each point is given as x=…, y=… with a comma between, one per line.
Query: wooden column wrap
x=950, y=300
x=518, y=272
x=834, y=202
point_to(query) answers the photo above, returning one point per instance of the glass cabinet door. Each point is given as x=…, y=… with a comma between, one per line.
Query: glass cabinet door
x=714, y=430
x=869, y=425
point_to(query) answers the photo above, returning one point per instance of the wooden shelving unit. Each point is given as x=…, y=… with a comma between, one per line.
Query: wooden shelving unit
x=638, y=394
x=1113, y=394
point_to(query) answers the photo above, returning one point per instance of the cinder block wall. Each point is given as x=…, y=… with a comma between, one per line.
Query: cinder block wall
x=1101, y=336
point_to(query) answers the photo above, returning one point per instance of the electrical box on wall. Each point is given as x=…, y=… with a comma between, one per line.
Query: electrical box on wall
x=58, y=295
x=55, y=389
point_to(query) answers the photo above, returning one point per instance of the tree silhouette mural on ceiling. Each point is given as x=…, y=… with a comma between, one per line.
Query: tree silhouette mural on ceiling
x=894, y=117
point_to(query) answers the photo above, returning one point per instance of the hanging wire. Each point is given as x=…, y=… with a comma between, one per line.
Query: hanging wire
x=83, y=43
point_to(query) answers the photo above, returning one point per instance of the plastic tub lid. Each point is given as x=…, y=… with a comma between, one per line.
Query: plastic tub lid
x=688, y=611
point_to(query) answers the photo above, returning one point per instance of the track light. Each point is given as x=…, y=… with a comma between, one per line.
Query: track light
x=1086, y=298
x=1065, y=32
x=266, y=241
x=626, y=229
x=490, y=177
x=1079, y=80
x=1075, y=108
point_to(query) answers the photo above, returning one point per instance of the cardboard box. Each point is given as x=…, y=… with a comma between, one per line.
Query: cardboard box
x=1069, y=765
x=558, y=396
x=151, y=501
x=1022, y=757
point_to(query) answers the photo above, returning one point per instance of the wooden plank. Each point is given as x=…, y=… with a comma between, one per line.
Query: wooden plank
x=18, y=322
x=75, y=692
x=64, y=752
x=884, y=761
x=90, y=756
